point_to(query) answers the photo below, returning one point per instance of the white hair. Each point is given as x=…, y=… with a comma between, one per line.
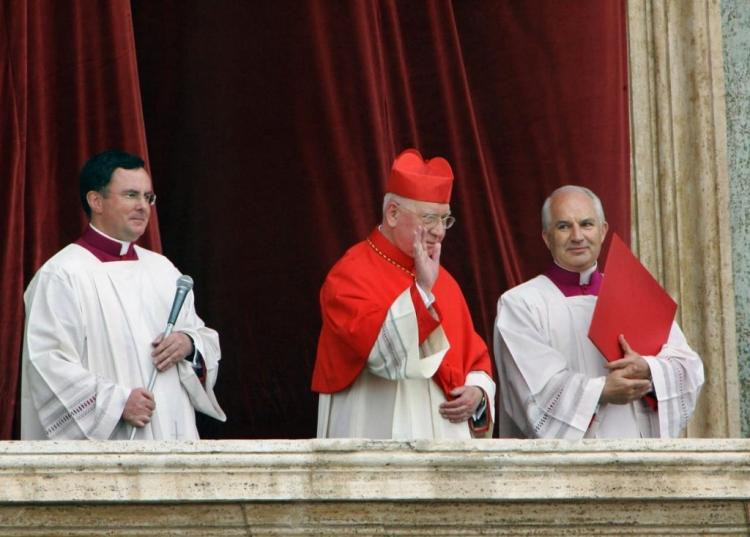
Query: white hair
x=547, y=211
x=390, y=197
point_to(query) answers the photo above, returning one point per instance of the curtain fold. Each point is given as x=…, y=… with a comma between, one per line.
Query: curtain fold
x=272, y=128
x=68, y=89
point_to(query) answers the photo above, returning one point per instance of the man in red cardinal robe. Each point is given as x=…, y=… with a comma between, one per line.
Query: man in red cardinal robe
x=398, y=356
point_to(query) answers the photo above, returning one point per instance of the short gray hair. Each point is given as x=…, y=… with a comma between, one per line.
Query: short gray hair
x=547, y=211
x=395, y=198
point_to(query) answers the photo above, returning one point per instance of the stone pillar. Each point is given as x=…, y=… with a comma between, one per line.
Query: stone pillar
x=680, y=186
x=736, y=35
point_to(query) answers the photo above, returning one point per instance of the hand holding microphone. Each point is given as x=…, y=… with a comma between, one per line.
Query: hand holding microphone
x=170, y=348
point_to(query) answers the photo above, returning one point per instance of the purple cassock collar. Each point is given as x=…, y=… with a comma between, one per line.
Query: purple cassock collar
x=105, y=249
x=570, y=284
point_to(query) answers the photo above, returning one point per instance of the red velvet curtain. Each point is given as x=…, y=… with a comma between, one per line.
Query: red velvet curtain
x=272, y=126
x=68, y=89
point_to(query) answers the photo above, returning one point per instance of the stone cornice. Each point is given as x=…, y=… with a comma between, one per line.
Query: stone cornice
x=359, y=470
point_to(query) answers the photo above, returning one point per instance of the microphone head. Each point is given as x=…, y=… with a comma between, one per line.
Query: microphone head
x=185, y=282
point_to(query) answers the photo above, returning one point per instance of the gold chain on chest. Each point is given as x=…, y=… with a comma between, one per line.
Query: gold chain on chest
x=391, y=261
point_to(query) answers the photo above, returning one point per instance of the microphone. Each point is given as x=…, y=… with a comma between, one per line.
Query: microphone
x=184, y=285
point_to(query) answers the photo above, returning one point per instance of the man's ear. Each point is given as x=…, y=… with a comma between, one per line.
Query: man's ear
x=391, y=214
x=545, y=238
x=95, y=200
x=605, y=228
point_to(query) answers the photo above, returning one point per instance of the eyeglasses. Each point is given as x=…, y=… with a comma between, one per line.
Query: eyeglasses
x=431, y=220
x=134, y=196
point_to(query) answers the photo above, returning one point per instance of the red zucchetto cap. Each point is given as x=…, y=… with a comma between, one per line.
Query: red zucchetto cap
x=418, y=179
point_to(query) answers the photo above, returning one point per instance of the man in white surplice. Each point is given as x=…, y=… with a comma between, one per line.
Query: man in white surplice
x=553, y=381
x=95, y=314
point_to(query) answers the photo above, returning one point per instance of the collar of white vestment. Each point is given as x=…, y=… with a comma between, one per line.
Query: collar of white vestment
x=106, y=248
x=572, y=283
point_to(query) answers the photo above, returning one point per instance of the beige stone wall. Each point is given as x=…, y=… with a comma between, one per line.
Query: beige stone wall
x=680, y=186
x=357, y=487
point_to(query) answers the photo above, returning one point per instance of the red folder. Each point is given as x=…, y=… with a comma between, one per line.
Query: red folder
x=631, y=302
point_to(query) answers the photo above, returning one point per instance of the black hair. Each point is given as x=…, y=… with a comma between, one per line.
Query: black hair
x=97, y=172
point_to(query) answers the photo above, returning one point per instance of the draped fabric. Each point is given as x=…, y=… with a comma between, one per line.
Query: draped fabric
x=271, y=129
x=68, y=89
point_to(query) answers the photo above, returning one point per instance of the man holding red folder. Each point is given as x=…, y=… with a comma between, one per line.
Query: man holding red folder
x=553, y=381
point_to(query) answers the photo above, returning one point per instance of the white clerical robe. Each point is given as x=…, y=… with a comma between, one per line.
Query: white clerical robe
x=551, y=376
x=89, y=328
x=395, y=396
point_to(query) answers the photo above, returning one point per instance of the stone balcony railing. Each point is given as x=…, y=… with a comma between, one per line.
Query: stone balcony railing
x=358, y=487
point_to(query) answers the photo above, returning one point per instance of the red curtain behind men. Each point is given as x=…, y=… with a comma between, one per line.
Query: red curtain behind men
x=68, y=89
x=272, y=126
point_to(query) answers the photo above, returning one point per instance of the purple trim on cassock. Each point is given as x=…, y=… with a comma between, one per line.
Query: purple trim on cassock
x=105, y=249
x=569, y=282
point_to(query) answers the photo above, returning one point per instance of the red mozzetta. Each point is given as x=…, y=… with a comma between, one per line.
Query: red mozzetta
x=355, y=299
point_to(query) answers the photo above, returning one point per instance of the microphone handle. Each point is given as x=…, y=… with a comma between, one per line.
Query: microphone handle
x=152, y=380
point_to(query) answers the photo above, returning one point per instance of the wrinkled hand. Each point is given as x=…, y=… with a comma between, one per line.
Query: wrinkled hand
x=167, y=352
x=629, y=378
x=139, y=407
x=462, y=408
x=426, y=266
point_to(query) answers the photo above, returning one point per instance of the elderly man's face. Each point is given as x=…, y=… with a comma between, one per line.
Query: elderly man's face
x=575, y=234
x=406, y=218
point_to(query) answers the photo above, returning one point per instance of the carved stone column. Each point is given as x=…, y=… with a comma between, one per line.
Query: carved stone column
x=680, y=185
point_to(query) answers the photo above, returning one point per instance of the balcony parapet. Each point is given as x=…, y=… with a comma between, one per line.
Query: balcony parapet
x=343, y=487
